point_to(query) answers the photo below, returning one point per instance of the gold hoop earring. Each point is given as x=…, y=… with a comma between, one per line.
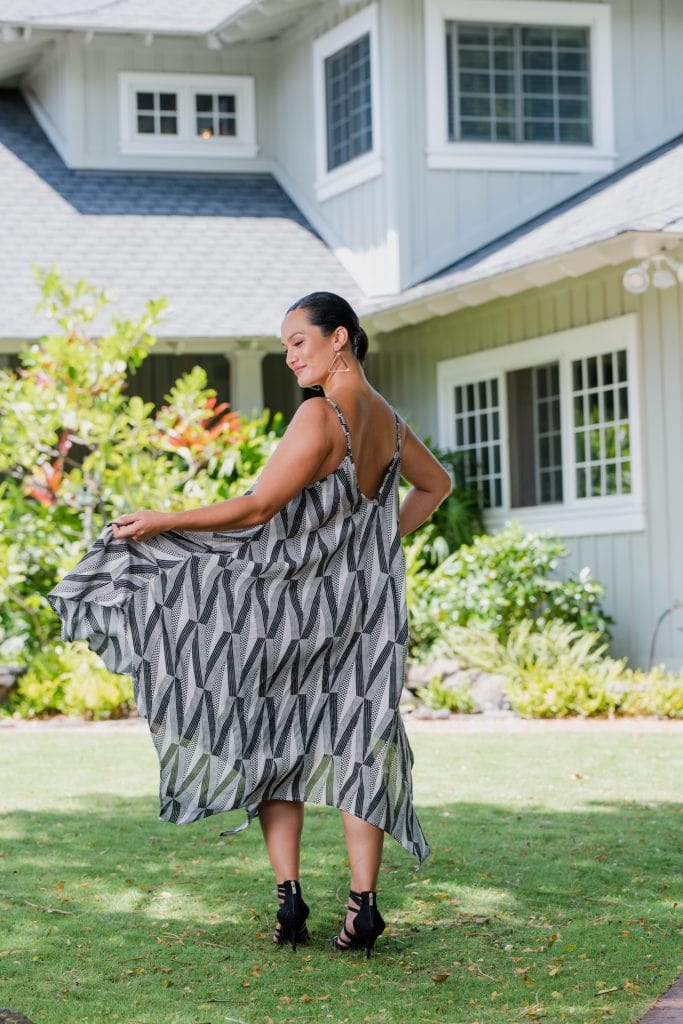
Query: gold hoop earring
x=344, y=368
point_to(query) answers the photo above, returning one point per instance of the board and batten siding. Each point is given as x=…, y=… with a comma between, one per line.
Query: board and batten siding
x=642, y=571
x=354, y=222
x=445, y=214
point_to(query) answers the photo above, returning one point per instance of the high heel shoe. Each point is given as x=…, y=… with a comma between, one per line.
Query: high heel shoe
x=368, y=924
x=291, y=915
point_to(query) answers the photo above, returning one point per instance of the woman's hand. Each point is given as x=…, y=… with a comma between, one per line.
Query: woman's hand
x=142, y=525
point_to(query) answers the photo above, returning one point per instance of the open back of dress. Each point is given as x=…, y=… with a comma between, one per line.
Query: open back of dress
x=268, y=661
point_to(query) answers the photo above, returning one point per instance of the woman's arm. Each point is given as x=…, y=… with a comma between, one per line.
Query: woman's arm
x=431, y=483
x=294, y=464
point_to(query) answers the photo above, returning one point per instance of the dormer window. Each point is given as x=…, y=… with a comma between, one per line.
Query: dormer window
x=519, y=86
x=187, y=115
x=346, y=91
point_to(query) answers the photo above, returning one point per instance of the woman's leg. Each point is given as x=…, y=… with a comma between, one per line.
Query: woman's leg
x=364, y=843
x=282, y=823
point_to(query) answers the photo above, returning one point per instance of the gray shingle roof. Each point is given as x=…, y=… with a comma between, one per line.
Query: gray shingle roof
x=175, y=16
x=230, y=251
x=644, y=196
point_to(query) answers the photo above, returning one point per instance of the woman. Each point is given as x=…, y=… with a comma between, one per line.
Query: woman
x=268, y=656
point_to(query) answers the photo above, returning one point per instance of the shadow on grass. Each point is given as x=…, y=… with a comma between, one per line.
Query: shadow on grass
x=514, y=909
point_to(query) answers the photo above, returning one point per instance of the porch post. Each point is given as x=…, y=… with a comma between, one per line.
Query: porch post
x=246, y=380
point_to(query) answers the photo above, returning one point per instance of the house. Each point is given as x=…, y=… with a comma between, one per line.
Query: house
x=476, y=176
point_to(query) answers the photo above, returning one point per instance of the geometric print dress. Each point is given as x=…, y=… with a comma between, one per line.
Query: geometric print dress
x=268, y=660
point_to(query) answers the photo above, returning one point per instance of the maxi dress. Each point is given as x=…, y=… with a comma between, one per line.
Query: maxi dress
x=268, y=660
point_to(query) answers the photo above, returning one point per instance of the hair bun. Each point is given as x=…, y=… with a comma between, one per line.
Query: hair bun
x=360, y=344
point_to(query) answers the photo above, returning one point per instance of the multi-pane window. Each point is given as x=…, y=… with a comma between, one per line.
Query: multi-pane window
x=156, y=113
x=601, y=425
x=518, y=83
x=478, y=437
x=215, y=115
x=348, y=102
x=522, y=447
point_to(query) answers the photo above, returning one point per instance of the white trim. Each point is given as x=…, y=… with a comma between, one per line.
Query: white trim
x=187, y=142
x=574, y=516
x=443, y=154
x=369, y=165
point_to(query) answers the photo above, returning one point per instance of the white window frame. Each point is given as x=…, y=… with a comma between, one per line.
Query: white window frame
x=369, y=165
x=614, y=513
x=442, y=154
x=187, y=142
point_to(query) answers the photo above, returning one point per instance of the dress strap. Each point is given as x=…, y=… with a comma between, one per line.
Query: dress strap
x=398, y=435
x=345, y=428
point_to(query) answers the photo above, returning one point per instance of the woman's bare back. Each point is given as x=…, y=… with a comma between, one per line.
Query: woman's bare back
x=372, y=426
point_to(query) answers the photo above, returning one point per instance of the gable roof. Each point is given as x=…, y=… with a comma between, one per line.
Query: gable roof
x=230, y=251
x=164, y=17
x=629, y=214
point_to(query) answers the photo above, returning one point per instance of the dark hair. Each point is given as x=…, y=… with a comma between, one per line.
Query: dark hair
x=328, y=312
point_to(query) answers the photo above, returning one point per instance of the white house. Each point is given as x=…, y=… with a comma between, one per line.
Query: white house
x=477, y=176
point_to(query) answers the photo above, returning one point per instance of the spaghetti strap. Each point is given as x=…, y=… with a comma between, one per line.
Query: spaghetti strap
x=344, y=424
x=398, y=436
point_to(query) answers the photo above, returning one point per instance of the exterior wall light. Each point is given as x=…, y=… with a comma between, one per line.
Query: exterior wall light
x=661, y=271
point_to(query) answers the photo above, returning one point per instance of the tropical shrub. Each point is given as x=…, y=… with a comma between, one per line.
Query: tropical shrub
x=437, y=695
x=557, y=670
x=76, y=450
x=497, y=581
x=70, y=679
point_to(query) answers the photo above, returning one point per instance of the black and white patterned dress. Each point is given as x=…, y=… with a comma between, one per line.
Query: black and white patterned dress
x=269, y=660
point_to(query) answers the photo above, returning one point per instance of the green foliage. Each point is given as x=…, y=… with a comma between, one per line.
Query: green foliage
x=437, y=695
x=497, y=581
x=457, y=520
x=70, y=679
x=557, y=670
x=76, y=450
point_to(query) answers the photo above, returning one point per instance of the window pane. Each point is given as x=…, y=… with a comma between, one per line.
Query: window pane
x=203, y=103
x=168, y=125
x=145, y=124
x=167, y=101
x=226, y=104
x=205, y=126
x=227, y=126
x=477, y=437
x=348, y=103
x=145, y=100
x=605, y=446
x=542, y=71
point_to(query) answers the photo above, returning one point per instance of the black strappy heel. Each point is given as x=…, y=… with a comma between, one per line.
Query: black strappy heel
x=368, y=924
x=291, y=915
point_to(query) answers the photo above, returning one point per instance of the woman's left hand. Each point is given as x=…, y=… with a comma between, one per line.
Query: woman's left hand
x=141, y=525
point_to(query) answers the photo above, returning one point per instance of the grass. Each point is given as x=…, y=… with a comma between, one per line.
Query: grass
x=550, y=895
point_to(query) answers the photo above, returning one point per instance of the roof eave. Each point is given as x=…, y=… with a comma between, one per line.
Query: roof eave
x=440, y=299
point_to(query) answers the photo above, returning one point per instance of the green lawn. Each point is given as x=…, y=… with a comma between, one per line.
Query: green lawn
x=551, y=893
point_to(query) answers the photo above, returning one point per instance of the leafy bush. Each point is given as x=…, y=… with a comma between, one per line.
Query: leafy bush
x=457, y=520
x=437, y=695
x=558, y=670
x=497, y=581
x=70, y=679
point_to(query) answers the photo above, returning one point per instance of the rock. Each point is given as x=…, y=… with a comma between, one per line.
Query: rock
x=13, y=1017
x=487, y=692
